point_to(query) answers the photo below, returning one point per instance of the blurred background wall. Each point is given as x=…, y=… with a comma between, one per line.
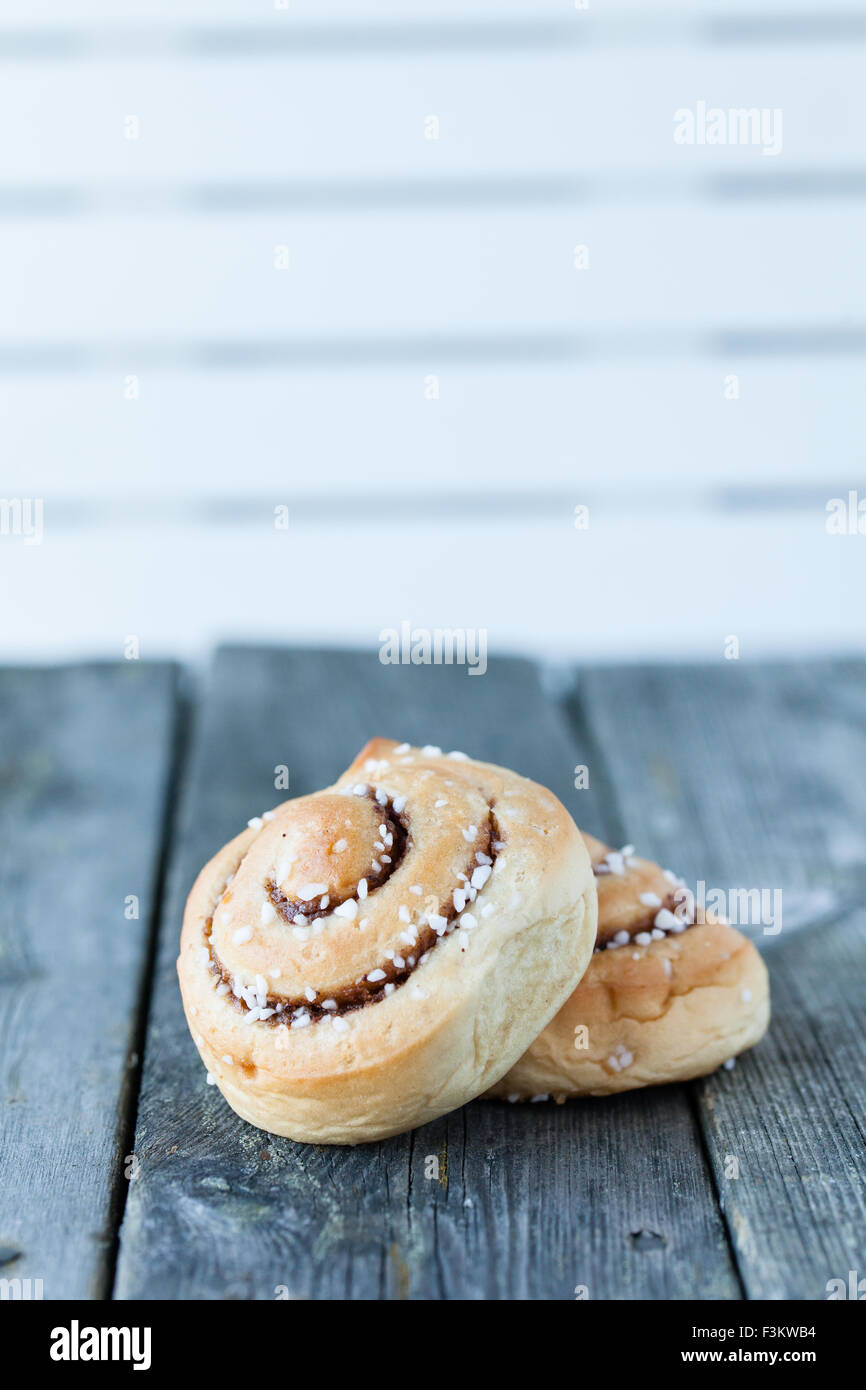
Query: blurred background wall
x=323, y=316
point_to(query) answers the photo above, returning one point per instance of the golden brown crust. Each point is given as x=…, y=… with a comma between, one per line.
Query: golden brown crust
x=369, y=957
x=667, y=1008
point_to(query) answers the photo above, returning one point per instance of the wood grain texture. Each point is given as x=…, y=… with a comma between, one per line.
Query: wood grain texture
x=752, y=777
x=84, y=770
x=529, y=1201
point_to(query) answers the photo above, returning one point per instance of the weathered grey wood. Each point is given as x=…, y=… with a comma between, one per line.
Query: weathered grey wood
x=85, y=754
x=531, y=1201
x=753, y=777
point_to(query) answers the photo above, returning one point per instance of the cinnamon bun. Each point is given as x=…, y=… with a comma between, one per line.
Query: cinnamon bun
x=361, y=960
x=665, y=998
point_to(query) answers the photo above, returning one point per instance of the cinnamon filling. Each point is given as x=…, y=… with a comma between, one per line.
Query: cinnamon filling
x=395, y=972
x=646, y=923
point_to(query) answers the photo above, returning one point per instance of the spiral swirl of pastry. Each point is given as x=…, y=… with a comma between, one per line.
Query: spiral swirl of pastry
x=363, y=958
x=322, y=873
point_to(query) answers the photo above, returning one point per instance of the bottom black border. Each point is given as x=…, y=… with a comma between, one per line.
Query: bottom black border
x=639, y=1337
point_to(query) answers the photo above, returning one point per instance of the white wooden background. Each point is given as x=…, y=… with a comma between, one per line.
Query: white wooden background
x=411, y=258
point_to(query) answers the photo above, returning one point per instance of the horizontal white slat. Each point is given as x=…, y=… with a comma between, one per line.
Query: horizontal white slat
x=340, y=12
x=573, y=432
x=321, y=118
x=276, y=12
x=413, y=274
x=628, y=587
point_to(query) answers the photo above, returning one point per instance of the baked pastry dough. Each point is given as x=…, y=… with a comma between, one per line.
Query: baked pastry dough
x=664, y=998
x=364, y=959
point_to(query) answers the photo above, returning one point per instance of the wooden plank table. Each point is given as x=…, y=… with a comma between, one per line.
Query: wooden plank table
x=739, y=775
x=85, y=772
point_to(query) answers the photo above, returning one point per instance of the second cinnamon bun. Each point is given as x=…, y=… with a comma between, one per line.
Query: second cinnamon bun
x=665, y=997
